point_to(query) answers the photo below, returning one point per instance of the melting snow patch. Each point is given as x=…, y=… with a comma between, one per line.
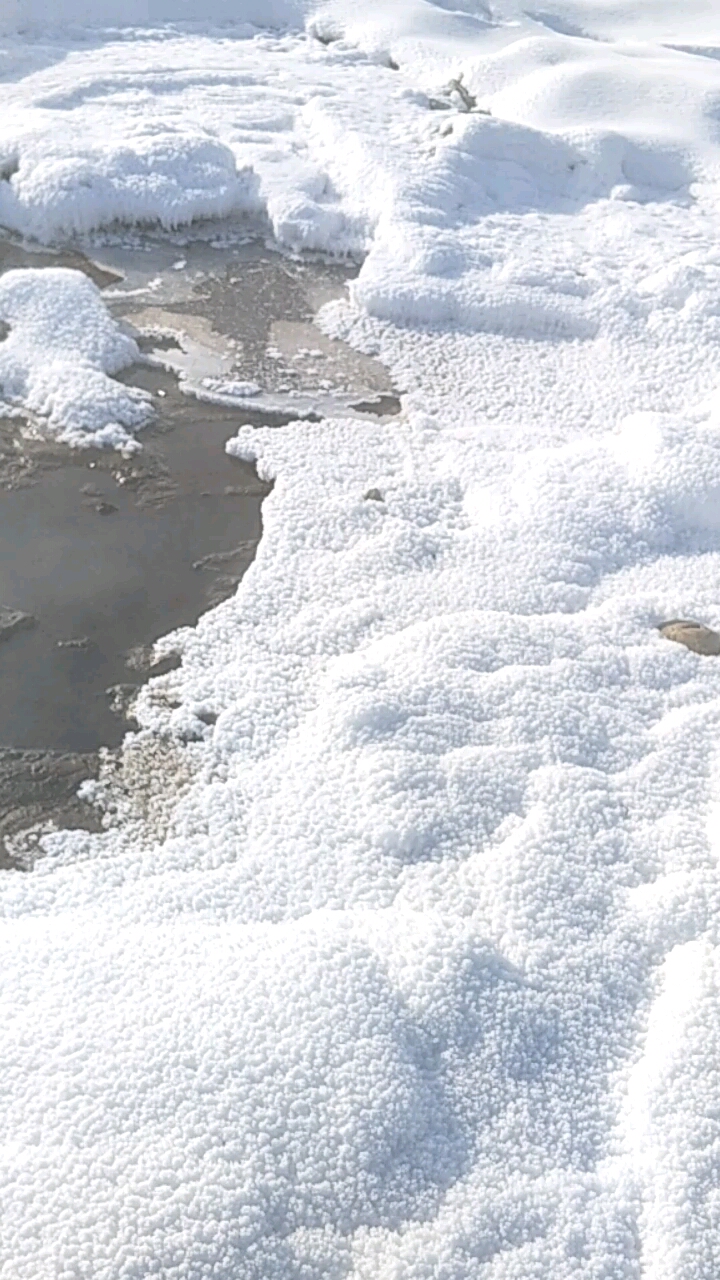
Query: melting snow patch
x=56, y=360
x=152, y=175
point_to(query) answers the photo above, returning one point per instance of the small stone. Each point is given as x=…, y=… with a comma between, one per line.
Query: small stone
x=694, y=635
x=105, y=508
x=12, y=620
x=373, y=495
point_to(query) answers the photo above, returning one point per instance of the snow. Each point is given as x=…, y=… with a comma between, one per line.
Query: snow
x=55, y=361
x=149, y=175
x=404, y=966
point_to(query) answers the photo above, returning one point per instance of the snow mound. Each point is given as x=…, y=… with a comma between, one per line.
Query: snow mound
x=322, y=1071
x=162, y=176
x=209, y=127
x=57, y=357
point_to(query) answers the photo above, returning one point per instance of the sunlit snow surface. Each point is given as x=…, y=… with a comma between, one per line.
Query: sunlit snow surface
x=410, y=969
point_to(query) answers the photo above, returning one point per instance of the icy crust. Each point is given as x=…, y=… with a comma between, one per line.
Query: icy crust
x=56, y=358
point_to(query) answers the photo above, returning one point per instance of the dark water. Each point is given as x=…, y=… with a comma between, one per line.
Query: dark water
x=101, y=552
x=107, y=554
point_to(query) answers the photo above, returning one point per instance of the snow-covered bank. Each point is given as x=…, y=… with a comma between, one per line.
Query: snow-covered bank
x=406, y=967
x=334, y=132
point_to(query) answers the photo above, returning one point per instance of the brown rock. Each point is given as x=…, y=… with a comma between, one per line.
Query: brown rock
x=693, y=635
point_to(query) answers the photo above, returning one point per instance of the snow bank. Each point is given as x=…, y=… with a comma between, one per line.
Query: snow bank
x=351, y=139
x=397, y=959
x=56, y=358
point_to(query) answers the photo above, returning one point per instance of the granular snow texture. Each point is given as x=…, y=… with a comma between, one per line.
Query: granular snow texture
x=407, y=965
x=56, y=358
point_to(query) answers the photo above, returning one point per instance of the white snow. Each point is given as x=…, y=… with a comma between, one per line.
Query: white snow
x=406, y=967
x=56, y=358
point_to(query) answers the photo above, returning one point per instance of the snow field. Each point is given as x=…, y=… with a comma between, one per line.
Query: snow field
x=419, y=979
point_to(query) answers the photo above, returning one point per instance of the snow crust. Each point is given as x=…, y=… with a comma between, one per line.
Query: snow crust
x=398, y=959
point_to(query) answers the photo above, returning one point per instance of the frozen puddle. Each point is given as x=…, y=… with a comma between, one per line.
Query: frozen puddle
x=100, y=555
x=235, y=322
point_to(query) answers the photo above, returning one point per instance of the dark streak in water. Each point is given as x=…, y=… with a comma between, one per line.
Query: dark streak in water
x=383, y=406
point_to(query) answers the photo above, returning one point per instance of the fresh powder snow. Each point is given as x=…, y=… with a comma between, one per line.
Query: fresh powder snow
x=399, y=955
